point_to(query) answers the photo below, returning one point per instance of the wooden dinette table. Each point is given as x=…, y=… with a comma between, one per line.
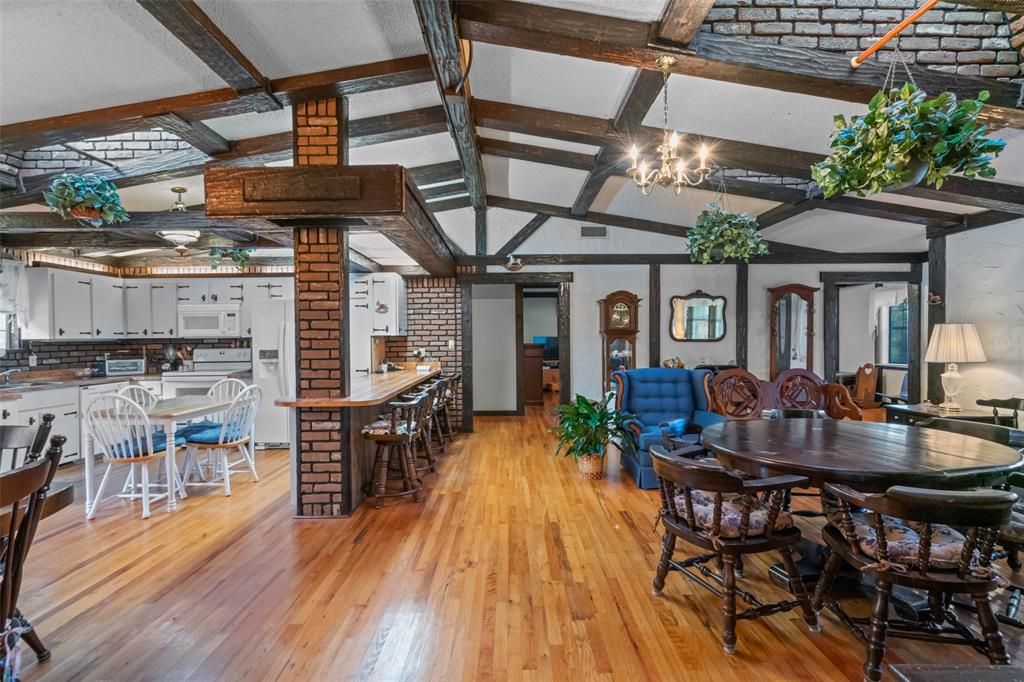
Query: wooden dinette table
x=867, y=456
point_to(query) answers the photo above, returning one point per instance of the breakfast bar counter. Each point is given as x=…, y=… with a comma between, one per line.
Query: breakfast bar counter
x=375, y=389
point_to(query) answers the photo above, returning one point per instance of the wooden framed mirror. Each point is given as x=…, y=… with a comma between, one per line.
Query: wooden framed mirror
x=791, y=324
x=697, y=317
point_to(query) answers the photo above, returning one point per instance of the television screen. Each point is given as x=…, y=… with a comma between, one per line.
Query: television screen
x=550, y=346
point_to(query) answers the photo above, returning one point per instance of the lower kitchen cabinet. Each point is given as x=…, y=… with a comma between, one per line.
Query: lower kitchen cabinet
x=62, y=403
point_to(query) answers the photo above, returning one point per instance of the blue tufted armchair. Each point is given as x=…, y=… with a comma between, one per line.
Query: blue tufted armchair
x=655, y=395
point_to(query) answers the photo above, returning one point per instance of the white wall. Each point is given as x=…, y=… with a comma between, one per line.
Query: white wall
x=717, y=280
x=494, y=347
x=985, y=286
x=540, y=317
x=855, y=329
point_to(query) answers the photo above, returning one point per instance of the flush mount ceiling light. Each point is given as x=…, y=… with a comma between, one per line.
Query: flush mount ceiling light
x=180, y=238
x=513, y=264
x=674, y=170
x=178, y=204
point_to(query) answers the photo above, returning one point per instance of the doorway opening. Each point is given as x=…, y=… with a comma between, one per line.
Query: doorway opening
x=539, y=332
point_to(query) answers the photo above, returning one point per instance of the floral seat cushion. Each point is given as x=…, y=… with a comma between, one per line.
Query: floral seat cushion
x=903, y=540
x=732, y=514
x=382, y=427
x=1013, y=531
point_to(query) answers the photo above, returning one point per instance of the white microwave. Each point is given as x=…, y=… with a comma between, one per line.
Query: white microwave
x=198, y=321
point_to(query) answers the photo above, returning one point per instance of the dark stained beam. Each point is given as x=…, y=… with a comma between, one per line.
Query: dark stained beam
x=151, y=221
x=480, y=236
x=449, y=204
x=535, y=153
x=936, y=302
x=434, y=173
x=654, y=314
x=191, y=25
x=197, y=134
x=973, y=221
x=731, y=59
x=444, y=191
x=85, y=238
x=520, y=237
x=782, y=212
x=441, y=35
x=684, y=259
x=682, y=19
x=210, y=104
x=362, y=262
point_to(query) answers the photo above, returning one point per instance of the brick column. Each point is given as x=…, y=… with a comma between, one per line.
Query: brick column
x=321, y=325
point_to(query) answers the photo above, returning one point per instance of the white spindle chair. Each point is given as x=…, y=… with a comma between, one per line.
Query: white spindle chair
x=224, y=390
x=122, y=431
x=145, y=399
x=235, y=433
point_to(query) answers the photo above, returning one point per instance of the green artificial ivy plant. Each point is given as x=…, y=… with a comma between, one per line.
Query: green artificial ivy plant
x=88, y=198
x=239, y=256
x=906, y=137
x=585, y=427
x=721, y=235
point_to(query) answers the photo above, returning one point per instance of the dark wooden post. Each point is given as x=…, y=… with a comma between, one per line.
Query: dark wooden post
x=654, y=329
x=936, y=309
x=742, y=311
x=323, y=438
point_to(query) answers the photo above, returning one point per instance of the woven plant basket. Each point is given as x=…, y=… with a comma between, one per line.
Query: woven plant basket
x=591, y=467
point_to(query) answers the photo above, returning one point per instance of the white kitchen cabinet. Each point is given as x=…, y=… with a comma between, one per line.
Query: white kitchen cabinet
x=163, y=302
x=257, y=290
x=360, y=320
x=62, y=403
x=387, y=304
x=108, y=308
x=9, y=413
x=138, y=309
x=191, y=291
x=225, y=291
x=71, y=294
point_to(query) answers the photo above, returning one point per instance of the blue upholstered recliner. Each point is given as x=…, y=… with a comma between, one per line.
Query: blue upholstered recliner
x=655, y=395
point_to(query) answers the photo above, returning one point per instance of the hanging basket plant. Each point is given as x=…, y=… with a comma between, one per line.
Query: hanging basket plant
x=239, y=256
x=905, y=138
x=88, y=198
x=720, y=235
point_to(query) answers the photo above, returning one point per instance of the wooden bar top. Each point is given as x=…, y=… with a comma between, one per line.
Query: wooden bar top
x=376, y=389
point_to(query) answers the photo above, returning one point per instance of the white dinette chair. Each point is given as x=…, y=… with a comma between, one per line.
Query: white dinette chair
x=145, y=399
x=224, y=390
x=122, y=431
x=233, y=434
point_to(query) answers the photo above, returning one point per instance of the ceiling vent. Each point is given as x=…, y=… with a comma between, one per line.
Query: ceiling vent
x=593, y=232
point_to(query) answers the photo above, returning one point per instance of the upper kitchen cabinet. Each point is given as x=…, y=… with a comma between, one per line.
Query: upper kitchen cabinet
x=138, y=311
x=60, y=305
x=163, y=302
x=387, y=304
x=256, y=290
x=108, y=308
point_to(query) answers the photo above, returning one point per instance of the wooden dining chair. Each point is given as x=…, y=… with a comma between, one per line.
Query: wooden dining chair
x=234, y=434
x=123, y=433
x=729, y=517
x=1015, y=405
x=906, y=537
x=20, y=444
x=865, y=388
x=737, y=394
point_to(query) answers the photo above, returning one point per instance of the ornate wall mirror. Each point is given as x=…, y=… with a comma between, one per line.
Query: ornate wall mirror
x=791, y=320
x=697, y=317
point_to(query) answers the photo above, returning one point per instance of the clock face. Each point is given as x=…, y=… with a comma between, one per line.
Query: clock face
x=620, y=316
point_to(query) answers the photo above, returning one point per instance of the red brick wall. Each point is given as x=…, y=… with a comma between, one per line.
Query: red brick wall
x=435, y=317
x=323, y=437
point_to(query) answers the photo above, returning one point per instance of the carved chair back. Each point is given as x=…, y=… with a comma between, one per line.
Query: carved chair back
x=978, y=513
x=866, y=385
x=737, y=394
x=1014, y=404
x=21, y=444
x=686, y=486
x=409, y=417
x=799, y=389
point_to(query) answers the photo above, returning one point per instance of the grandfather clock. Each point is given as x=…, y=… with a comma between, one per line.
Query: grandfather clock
x=620, y=321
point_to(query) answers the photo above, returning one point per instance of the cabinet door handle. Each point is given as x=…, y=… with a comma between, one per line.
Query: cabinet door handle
x=98, y=332
x=380, y=281
x=128, y=333
x=70, y=414
x=275, y=296
x=364, y=371
x=203, y=298
x=145, y=332
x=120, y=333
x=361, y=293
x=156, y=286
x=31, y=421
x=86, y=283
x=360, y=281
x=234, y=286
x=248, y=331
x=60, y=332
x=86, y=333
x=237, y=298
x=361, y=305
x=213, y=297
x=5, y=414
x=385, y=329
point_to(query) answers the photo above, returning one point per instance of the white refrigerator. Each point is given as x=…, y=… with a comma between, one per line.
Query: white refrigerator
x=273, y=368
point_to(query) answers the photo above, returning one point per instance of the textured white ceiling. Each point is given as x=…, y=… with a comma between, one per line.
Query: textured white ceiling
x=59, y=57
x=532, y=181
x=561, y=236
x=253, y=125
x=157, y=196
x=376, y=246
x=289, y=37
x=637, y=10
x=416, y=151
x=520, y=138
x=393, y=100
x=620, y=196
x=548, y=81
x=916, y=202
x=845, y=233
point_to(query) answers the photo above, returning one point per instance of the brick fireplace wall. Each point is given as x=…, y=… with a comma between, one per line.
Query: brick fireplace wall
x=435, y=318
x=952, y=38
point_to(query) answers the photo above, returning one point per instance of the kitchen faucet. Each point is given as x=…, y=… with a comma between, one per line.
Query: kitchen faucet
x=6, y=375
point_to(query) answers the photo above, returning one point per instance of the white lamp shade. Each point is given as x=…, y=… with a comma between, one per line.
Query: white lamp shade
x=955, y=343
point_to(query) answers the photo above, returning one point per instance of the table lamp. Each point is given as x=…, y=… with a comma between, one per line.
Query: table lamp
x=953, y=343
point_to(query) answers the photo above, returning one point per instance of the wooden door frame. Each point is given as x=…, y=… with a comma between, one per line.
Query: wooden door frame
x=831, y=282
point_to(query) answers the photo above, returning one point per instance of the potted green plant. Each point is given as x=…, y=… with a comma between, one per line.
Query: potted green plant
x=239, y=256
x=719, y=235
x=88, y=198
x=585, y=427
x=905, y=138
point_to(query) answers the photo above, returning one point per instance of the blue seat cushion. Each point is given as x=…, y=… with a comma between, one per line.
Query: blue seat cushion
x=196, y=427
x=159, y=444
x=211, y=436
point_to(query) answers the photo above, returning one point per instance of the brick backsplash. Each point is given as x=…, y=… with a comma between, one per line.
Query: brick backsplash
x=435, y=316
x=76, y=354
x=952, y=38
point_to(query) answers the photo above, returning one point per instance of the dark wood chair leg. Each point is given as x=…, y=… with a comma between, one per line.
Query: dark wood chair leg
x=428, y=451
x=410, y=458
x=436, y=420
x=31, y=638
x=824, y=586
x=380, y=474
x=668, y=546
x=990, y=630
x=879, y=627
x=729, y=603
x=738, y=568
x=799, y=590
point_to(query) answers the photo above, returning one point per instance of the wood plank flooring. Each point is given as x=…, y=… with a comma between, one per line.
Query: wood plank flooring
x=512, y=568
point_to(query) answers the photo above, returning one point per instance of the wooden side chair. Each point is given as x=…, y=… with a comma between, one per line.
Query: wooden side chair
x=233, y=435
x=21, y=444
x=798, y=389
x=729, y=517
x=737, y=394
x=865, y=387
x=1015, y=405
x=839, y=403
x=123, y=433
x=905, y=538
x=395, y=435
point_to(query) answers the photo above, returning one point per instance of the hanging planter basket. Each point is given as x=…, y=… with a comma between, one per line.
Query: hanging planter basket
x=89, y=199
x=907, y=138
x=720, y=235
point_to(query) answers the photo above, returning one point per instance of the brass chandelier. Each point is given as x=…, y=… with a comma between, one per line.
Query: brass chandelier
x=674, y=170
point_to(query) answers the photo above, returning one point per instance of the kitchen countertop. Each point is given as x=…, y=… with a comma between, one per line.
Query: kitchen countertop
x=18, y=391
x=373, y=390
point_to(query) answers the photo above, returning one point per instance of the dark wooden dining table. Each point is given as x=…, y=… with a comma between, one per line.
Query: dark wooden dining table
x=867, y=456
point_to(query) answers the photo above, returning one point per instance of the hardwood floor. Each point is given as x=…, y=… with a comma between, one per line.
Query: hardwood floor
x=512, y=568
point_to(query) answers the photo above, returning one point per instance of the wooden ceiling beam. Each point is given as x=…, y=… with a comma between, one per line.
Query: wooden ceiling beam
x=973, y=221
x=524, y=233
x=780, y=257
x=196, y=31
x=210, y=104
x=193, y=219
x=536, y=154
x=119, y=239
x=682, y=19
x=600, y=218
x=441, y=35
x=732, y=59
x=197, y=134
